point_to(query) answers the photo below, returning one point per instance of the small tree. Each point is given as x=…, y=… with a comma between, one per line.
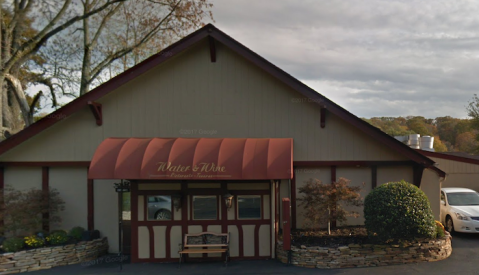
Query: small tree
x=22, y=211
x=325, y=202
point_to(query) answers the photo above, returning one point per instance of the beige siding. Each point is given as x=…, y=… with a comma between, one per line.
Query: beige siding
x=388, y=174
x=106, y=212
x=175, y=238
x=72, y=185
x=264, y=241
x=359, y=177
x=248, y=240
x=160, y=244
x=456, y=167
x=23, y=178
x=459, y=174
x=143, y=242
x=234, y=240
x=303, y=174
x=470, y=181
x=431, y=185
x=191, y=97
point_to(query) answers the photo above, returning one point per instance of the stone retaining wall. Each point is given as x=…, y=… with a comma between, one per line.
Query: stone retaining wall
x=363, y=255
x=48, y=257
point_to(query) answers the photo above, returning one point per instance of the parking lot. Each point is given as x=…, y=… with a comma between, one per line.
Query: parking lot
x=464, y=260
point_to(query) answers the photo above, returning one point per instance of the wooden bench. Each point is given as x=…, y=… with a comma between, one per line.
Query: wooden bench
x=205, y=242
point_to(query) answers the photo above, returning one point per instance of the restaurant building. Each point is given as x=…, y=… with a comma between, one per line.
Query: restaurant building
x=200, y=123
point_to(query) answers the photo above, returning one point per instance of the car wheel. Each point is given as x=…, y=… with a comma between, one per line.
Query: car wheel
x=163, y=215
x=449, y=225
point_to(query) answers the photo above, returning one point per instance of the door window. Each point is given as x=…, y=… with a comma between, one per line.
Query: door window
x=159, y=208
x=249, y=207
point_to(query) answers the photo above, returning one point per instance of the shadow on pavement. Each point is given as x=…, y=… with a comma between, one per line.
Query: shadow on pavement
x=463, y=260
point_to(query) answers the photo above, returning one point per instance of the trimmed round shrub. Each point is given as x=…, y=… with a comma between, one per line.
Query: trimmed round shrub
x=13, y=244
x=76, y=233
x=58, y=237
x=398, y=211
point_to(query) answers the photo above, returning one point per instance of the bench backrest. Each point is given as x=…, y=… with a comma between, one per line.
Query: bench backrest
x=206, y=239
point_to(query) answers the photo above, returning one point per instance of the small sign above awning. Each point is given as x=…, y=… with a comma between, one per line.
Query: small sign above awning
x=193, y=159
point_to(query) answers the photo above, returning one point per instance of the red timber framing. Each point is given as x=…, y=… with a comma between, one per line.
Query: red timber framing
x=90, y=206
x=187, y=192
x=212, y=49
x=96, y=109
x=333, y=180
x=45, y=190
x=323, y=117
x=293, y=200
x=44, y=163
x=134, y=220
x=277, y=201
x=374, y=176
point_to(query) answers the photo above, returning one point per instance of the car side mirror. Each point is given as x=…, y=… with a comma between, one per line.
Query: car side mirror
x=443, y=202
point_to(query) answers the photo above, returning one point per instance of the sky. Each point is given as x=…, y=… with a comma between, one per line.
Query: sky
x=372, y=57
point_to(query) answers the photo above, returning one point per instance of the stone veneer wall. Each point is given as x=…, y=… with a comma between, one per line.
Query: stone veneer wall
x=48, y=257
x=363, y=255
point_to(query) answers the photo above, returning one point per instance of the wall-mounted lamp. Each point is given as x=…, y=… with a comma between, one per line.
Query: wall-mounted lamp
x=228, y=200
x=176, y=201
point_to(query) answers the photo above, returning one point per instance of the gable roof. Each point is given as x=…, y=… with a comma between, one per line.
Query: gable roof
x=178, y=47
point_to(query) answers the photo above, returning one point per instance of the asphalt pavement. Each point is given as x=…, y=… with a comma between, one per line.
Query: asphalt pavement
x=464, y=260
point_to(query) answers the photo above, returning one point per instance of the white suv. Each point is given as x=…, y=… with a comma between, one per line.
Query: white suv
x=460, y=210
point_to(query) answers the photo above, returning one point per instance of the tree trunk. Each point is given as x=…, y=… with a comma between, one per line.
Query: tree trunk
x=86, y=64
x=19, y=95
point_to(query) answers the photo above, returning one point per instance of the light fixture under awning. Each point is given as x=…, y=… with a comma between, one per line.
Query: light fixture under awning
x=193, y=159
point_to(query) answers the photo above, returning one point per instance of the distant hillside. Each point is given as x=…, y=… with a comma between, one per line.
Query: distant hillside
x=450, y=134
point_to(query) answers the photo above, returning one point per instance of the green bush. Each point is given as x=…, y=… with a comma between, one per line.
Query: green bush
x=398, y=211
x=58, y=231
x=76, y=233
x=57, y=237
x=13, y=244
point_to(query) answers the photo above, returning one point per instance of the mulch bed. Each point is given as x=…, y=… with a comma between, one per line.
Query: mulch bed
x=339, y=236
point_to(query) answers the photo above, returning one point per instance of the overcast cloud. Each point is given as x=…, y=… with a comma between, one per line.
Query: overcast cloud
x=372, y=57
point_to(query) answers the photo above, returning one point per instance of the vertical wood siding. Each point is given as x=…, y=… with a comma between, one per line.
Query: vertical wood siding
x=191, y=97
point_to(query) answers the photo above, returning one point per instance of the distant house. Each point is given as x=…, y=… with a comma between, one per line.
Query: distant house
x=204, y=118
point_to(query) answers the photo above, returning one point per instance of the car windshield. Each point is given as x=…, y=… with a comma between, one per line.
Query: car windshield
x=463, y=198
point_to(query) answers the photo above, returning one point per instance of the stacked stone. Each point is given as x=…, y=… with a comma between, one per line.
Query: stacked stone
x=363, y=255
x=48, y=257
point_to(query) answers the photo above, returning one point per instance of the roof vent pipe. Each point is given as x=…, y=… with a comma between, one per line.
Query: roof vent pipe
x=413, y=141
x=427, y=143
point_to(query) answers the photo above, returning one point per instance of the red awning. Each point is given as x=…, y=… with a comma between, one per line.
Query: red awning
x=193, y=158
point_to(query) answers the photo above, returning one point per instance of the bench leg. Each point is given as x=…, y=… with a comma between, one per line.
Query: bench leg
x=226, y=257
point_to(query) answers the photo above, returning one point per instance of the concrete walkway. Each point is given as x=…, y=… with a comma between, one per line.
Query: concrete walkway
x=464, y=260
